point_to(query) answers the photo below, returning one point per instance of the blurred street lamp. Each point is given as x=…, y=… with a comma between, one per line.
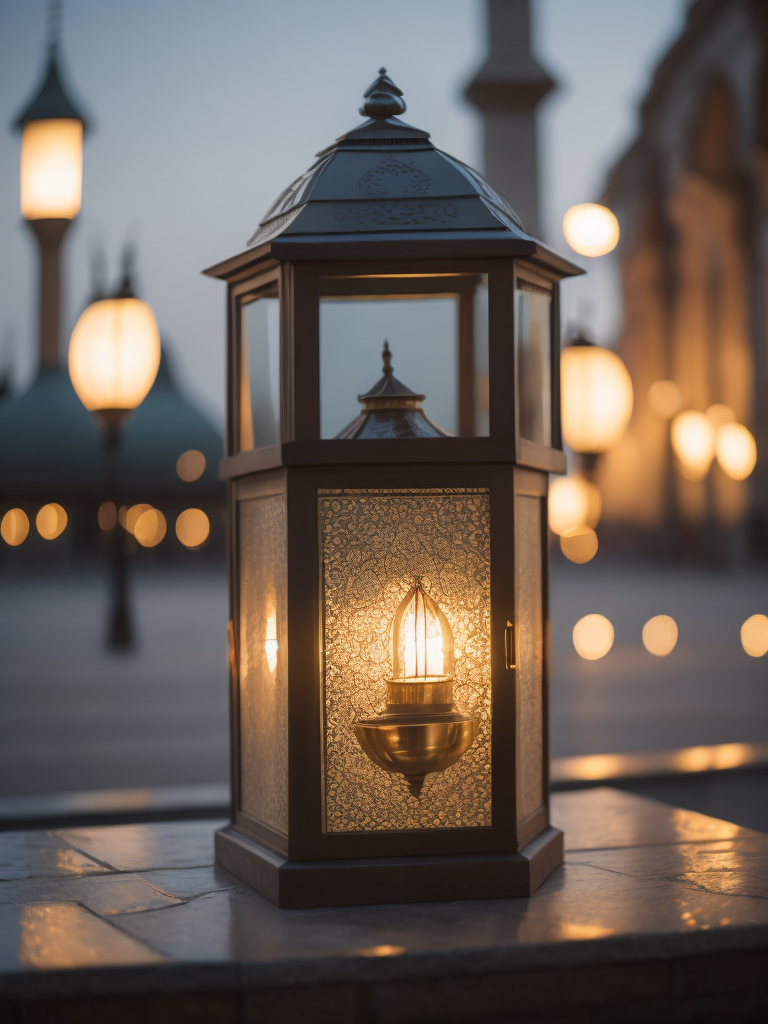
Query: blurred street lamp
x=590, y=229
x=693, y=442
x=51, y=183
x=596, y=399
x=114, y=355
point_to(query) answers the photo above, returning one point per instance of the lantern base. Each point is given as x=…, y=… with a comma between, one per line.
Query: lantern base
x=298, y=884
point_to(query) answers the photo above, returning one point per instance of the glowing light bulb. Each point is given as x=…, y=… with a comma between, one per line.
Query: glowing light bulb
x=423, y=644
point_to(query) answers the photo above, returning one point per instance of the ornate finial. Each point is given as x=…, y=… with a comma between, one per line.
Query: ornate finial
x=54, y=23
x=386, y=355
x=383, y=98
x=98, y=273
x=125, y=291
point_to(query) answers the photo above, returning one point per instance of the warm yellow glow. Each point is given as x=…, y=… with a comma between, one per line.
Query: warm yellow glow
x=660, y=635
x=132, y=515
x=590, y=229
x=665, y=398
x=423, y=634
x=597, y=398
x=14, y=527
x=271, y=646
x=693, y=442
x=754, y=636
x=574, y=930
x=190, y=465
x=579, y=544
x=114, y=354
x=593, y=637
x=736, y=450
x=192, y=528
x=574, y=501
x=107, y=515
x=149, y=528
x=718, y=415
x=51, y=169
x=702, y=759
x=51, y=521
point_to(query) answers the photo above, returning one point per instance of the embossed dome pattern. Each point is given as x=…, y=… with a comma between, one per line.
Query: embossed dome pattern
x=386, y=177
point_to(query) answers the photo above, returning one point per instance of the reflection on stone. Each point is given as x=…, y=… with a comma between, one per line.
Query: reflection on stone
x=56, y=936
x=577, y=930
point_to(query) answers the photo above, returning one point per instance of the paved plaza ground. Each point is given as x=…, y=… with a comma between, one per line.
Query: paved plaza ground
x=74, y=717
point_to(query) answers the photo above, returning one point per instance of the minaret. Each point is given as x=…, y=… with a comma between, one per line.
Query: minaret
x=506, y=91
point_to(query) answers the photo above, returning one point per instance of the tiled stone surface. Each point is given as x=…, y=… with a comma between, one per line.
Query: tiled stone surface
x=186, y=883
x=599, y=818
x=52, y=936
x=43, y=855
x=103, y=894
x=178, y=844
x=658, y=914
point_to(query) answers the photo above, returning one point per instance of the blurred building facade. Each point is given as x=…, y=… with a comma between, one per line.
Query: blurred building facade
x=691, y=195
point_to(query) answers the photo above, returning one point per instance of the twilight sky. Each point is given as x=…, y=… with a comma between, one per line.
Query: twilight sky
x=203, y=112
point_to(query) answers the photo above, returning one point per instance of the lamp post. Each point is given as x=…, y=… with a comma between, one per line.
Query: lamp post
x=51, y=185
x=114, y=355
x=388, y=579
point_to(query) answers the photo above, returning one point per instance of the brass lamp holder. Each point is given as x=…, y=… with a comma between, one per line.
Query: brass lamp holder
x=421, y=731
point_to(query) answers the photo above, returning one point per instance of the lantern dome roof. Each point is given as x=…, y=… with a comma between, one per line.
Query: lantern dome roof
x=387, y=176
x=51, y=101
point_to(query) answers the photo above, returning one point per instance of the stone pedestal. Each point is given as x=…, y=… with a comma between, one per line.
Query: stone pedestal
x=659, y=914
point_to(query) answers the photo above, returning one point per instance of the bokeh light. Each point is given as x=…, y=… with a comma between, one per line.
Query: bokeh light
x=660, y=635
x=719, y=414
x=736, y=450
x=574, y=501
x=51, y=521
x=665, y=398
x=14, y=527
x=590, y=229
x=132, y=516
x=754, y=636
x=192, y=528
x=596, y=398
x=107, y=515
x=149, y=528
x=579, y=544
x=693, y=442
x=593, y=637
x=190, y=465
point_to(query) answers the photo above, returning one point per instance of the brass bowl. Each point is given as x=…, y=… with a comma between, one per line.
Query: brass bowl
x=414, y=745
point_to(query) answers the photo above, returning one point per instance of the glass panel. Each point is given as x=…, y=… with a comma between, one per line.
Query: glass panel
x=533, y=314
x=260, y=373
x=263, y=661
x=407, y=658
x=530, y=702
x=436, y=329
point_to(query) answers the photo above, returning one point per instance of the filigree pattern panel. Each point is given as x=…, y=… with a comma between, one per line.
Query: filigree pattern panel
x=530, y=672
x=374, y=545
x=263, y=661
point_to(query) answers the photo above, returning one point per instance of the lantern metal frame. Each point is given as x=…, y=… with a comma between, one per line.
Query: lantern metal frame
x=308, y=866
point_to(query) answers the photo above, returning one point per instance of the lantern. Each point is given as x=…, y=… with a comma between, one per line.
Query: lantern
x=393, y=415
x=597, y=397
x=51, y=183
